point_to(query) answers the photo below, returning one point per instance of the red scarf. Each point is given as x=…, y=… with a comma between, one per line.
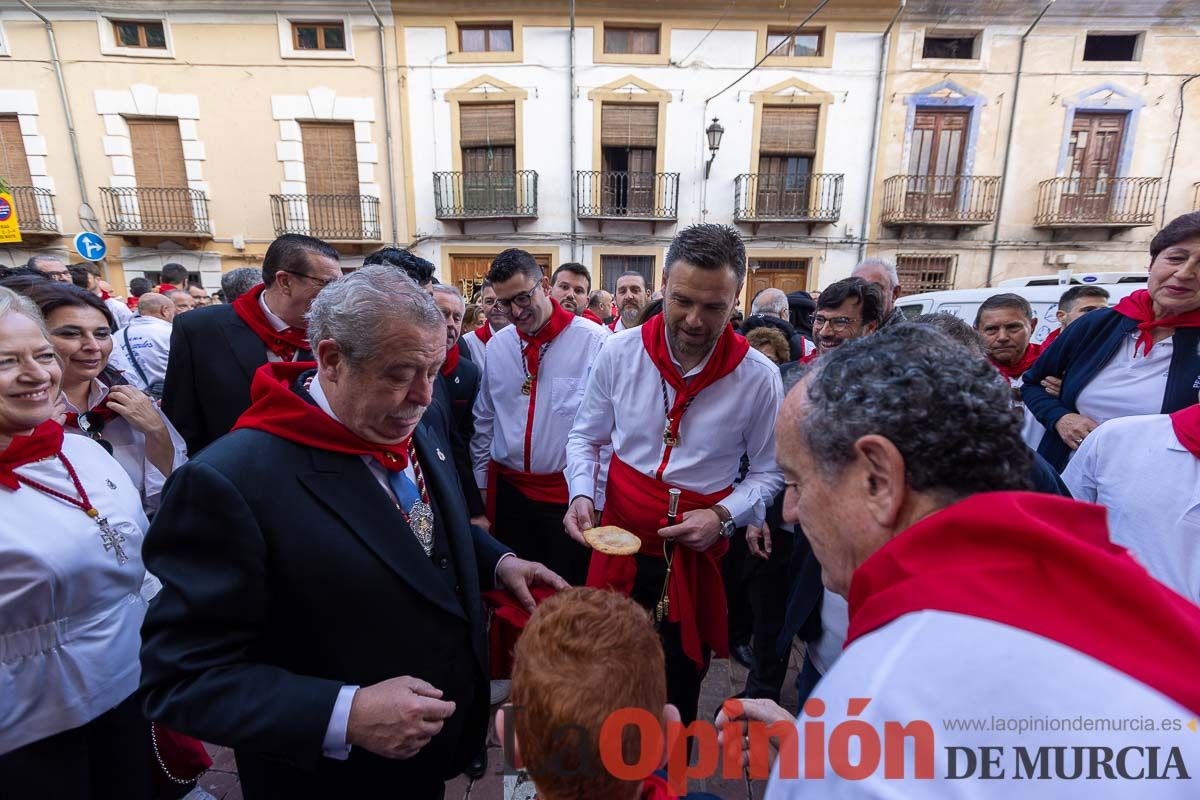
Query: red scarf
x=163, y=288
x=1053, y=335
x=1186, y=423
x=284, y=343
x=612, y=326
x=559, y=320
x=509, y=618
x=588, y=314
x=1017, y=370
x=276, y=409
x=131, y=302
x=101, y=412
x=45, y=441
x=451, y=362
x=1138, y=306
x=638, y=503
x=729, y=351
x=484, y=332
x=1042, y=564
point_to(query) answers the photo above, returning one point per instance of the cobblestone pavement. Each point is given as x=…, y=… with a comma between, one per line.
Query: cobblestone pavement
x=724, y=679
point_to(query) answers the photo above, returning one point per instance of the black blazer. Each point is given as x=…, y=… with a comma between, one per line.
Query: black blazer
x=454, y=398
x=287, y=573
x=207, y=386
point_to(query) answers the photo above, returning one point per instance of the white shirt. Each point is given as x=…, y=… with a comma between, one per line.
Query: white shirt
x=735, y=416
x=276, y=323
x=476, y=347
x=1150, y=484
x=119, y=310
x=502, y=411
x=942, y=668
x=835, y=621
x=70, y=615
x=129, y=447
x=150, y=340
x=620, y=326
x=1128, y=385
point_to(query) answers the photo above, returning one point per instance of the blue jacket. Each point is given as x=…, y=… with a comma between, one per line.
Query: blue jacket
x=1080, y=352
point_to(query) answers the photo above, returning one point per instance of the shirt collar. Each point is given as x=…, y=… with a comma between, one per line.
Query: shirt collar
x=317, y=392
x=276, y=322
x=96, y=395
x=696, y=370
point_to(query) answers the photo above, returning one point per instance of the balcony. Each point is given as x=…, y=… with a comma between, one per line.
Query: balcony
x=959, y=201
x=332, y=217
x=805, y=198
x=463, y=197
x=627, y=196
x=1110, y=203
x=156, y=213
x=36, y=217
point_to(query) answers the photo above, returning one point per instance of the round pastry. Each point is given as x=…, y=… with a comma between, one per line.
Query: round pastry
x=612, y=541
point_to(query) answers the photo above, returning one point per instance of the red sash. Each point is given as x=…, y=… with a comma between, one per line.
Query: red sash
x=1138, y=306
x=1186, y=423
x=42, y=442
x=638, y=503
x=284, y=343
x=1045, y=565
x=1017, y=370
x=541, y=487
x=451, y=362
x=509, y=618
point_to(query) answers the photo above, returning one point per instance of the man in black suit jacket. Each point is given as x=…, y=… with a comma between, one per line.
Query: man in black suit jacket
x=215, y=350
x=320, y=610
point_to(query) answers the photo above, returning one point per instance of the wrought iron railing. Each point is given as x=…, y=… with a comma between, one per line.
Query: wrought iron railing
x=627, y=195
x=777, y=197
x=485, y=195
x=35, y=209
x=1066, y=202
x=337, y=217
x=1196, y=199
x=947, y=199
x=148, y=209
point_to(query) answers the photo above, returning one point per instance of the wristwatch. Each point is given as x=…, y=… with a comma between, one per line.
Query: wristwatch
x=727, y=526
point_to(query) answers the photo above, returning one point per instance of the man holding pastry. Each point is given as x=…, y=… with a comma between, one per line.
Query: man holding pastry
x=671, y=478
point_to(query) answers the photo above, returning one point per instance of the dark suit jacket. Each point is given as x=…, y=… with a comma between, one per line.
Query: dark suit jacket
x=287, y=573
x=455, y=396
x=207, y=385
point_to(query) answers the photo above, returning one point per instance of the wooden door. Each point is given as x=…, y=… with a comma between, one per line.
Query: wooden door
x=468, y=271
x=786, y=274
x=163, y=204
x=1092, y=153
x=331, y=180
x=935, y=162
x=14, y=169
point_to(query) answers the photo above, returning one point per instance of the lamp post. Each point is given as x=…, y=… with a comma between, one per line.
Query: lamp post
x=714, y=132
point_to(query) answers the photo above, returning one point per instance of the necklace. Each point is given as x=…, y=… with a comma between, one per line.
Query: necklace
x=671, y=431
x=420, y=516
x=530, y=379
x=112, y=539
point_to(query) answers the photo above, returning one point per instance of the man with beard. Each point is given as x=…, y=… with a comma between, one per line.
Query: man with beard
x=848, y=309
x=497, y=319
x=569, y=286
x=631, y=296
x=688, y=362
x=599, y=308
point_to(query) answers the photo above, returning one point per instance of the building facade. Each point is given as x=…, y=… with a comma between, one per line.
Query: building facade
x=463, y=128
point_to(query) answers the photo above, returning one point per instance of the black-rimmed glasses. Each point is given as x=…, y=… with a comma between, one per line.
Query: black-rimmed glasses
x=522, y=300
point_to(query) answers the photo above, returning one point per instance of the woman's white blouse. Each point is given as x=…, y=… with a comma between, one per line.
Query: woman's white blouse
x=70, y=615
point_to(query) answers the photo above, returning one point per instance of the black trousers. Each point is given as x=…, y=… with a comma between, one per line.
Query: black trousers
x=769, y=589
x=535, y=532
x=683, y=676
x=738, y=569
x=108, y=758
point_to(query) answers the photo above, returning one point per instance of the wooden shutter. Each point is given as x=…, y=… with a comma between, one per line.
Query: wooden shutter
x=330, y=158
x=487, y=125
x=157, y=153
x=14, y=167
x=789, y=130
x=628, y=125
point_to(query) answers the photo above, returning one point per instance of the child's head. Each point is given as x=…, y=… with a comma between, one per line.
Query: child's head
x=585, y=654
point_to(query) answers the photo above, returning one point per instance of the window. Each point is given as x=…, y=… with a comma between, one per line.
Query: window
x=804, y=43
x=1111, y=47
x=318, y=36
x=144, y=34
x=486, y=38
x=628, y=158
x=613, y=267
x=787, y=146
x=925, y=272
x=951, y=45
x=631, y=41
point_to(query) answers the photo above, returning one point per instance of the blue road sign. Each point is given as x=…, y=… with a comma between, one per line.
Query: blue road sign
x=90, y=246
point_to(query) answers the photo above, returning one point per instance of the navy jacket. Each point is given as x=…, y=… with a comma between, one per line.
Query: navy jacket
x=1079, y=353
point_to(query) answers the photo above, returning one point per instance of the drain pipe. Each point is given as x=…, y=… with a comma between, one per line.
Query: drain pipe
x=884, y=51
x=571, y=177
x=62, y=94
x=387, y=121
x=1012, y=124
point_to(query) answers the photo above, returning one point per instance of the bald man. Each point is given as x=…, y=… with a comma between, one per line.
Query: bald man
x=141, y=348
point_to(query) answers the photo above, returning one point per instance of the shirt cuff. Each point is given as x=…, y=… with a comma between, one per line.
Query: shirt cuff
x=334, y=745
x=746, y=507
x=496, y=571
x=581, y=486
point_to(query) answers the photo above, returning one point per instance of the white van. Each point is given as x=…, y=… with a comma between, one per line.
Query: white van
x=1041, y=292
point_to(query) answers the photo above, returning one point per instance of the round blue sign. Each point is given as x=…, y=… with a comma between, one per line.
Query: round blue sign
x=90, y=245
x=5, y=210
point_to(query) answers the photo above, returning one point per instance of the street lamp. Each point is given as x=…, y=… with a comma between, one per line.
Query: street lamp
x=714, y=132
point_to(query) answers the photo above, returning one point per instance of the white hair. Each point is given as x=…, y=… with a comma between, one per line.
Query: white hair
x=446, y=288
x=888, y=268
x=13, y=303
x=770, y=301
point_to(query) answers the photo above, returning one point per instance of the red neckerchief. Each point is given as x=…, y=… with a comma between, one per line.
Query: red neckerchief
x=1138, y=306
x=588, y=314
x=275, y=408
x=101, y=412
x=163, y=288
x=45, y=441
x=282, y=343
x=484, y=332
x=559, y=320
x=105, y=296
x=1053, y=335
x=451, y=362
x=1042, y=564
x=131, y=302
x=1017, y=370
x=1186, y=423
x=729, y=351
x=612, y=326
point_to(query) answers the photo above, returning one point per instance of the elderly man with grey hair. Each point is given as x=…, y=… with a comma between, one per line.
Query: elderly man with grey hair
x=770, y=302
x=882, y=273
x=969, y=597
x=321, y=610
x=237, y=282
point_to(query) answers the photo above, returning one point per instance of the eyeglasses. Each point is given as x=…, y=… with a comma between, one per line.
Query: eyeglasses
x=522, y=300
x=91, y=425
x=838, y=324
x=321, y=282
x=60, y=276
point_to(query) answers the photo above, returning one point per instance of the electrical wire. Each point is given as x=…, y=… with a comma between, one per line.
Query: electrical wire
x=716, y=24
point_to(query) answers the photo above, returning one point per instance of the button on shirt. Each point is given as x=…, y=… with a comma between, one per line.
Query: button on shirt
x=1150, y=484
x=150, y=340
x=735, y=416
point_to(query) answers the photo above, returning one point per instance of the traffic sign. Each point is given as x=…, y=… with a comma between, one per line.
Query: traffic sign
x=89, y=245
x=9, y=227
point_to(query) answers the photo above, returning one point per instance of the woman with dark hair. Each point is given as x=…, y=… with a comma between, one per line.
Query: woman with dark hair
x=96, y=401
x=1141, y=356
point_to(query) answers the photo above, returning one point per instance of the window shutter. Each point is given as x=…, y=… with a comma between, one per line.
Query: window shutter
x=789, y=130
x=14, y=167
x=330, y=158
x=157, y=153
x=487, y=125
x=628, y=125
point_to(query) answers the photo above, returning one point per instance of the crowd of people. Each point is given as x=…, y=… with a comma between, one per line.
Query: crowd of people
x=293, y=520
